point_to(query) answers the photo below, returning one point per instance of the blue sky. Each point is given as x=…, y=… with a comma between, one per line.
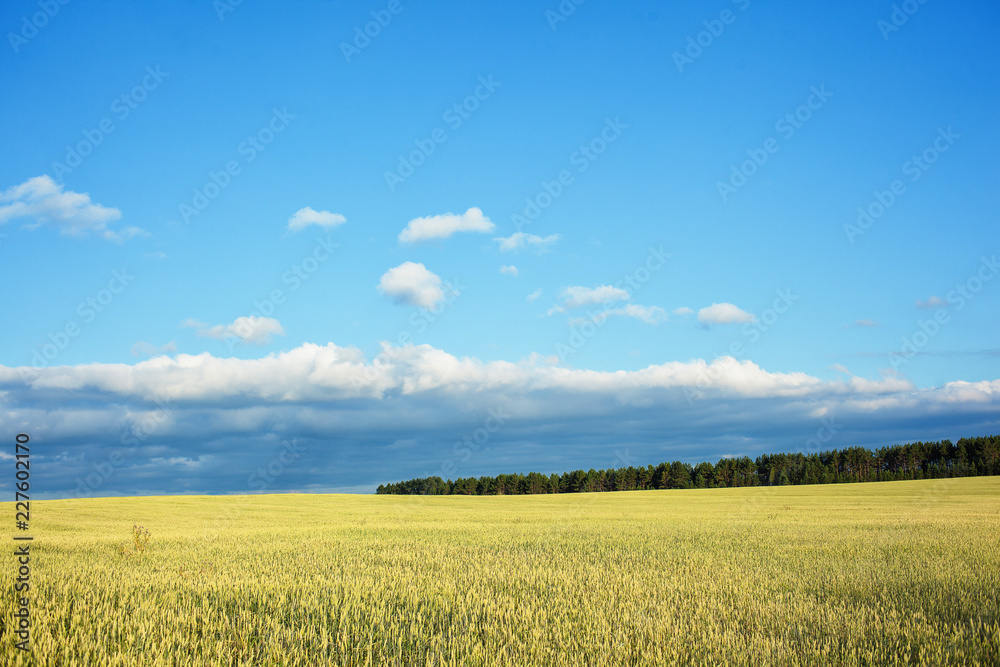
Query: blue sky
x=643, y=231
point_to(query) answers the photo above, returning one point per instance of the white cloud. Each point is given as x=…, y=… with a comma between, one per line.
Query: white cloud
x=307, y=216
x=647, y=314
x=317, y=372
x=413, y=284
x=126, y=233
x=723, y=313
x=343, y=406
x=933, y=302
x=577, y=295
x=865, y=324
x=251, y=330
x=521, y=240
x=72, y=213
x=534, y=295
x=144, y=349
x=509, y=270
x=158, y=256
x=683, y=310
x=443, y=226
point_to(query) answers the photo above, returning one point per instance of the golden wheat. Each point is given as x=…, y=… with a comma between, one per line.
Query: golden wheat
x=888, y=573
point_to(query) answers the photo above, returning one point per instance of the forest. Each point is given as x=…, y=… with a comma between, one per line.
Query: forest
x=917, y=460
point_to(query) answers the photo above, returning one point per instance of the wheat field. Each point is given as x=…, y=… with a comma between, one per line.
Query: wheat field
x=858, y=574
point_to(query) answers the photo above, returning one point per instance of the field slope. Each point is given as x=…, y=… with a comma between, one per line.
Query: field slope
x=853, y=574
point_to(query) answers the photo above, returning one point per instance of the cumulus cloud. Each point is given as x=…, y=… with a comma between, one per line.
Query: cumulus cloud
x=723, y=313
x=443, y=226
x=411, y=283
x=647, y=314
x=509, y=270
x=534, y=295
x=318, y=372
x=252, y=330
x=521, y=240
x=932, y=302
x=72, y=213
x=577, y=295
x=341, y=411
x=307, y=216
x=683, y=310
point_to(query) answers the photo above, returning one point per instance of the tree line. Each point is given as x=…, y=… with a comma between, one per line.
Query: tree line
x=917, y=460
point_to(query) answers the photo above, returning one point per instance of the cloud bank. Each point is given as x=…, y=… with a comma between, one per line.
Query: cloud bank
x=200, y=423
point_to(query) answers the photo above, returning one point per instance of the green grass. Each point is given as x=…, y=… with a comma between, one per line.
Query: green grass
x=860, y=574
